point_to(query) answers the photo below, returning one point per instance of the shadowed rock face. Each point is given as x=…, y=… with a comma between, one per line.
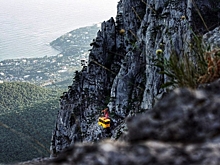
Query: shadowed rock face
x=121, y=73
x=208, y=16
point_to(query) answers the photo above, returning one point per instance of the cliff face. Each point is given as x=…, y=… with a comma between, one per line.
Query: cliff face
x=174, y=132
x=121, y=73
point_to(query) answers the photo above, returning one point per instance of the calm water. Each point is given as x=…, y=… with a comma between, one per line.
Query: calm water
x=28, y=26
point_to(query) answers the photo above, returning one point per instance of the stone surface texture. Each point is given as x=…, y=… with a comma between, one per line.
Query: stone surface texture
x=121, y=74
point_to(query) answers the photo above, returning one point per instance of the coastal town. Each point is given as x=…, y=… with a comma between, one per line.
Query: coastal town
x=57, y=70
x=40, y=71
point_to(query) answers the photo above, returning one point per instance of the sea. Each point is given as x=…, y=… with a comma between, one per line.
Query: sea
x=28, y=26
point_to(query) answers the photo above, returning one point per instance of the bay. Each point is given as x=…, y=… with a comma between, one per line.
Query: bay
x=27, y=27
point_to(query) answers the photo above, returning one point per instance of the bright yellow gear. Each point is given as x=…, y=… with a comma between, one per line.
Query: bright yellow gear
x=105, y=123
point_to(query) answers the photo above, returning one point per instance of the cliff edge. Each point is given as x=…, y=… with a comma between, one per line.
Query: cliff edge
x=121, y=73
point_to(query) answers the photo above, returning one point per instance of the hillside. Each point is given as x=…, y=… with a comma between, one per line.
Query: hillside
x=76, y=42
x=15, y=95
x=27, y=116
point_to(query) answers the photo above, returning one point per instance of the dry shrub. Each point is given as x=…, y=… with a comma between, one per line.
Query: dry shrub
x=213, y=67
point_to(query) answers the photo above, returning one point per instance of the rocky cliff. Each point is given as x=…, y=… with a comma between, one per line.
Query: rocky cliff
x=181, y=129
x=184, y=132
x=121, y=73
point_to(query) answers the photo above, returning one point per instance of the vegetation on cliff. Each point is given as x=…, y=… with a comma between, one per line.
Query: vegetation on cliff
x=200, y=66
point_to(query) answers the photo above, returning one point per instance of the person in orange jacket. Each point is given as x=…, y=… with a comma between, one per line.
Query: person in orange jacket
x=106, y=113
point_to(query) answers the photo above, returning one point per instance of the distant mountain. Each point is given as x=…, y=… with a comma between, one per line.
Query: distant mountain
x=27, y=116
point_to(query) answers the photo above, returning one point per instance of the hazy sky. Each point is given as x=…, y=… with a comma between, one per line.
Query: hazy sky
x=101, y=9
x=106, y=8
x=78, y=12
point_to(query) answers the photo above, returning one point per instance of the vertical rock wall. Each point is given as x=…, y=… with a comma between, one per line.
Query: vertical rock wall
x=81, y=105
x=121, y=72
x=167, y=31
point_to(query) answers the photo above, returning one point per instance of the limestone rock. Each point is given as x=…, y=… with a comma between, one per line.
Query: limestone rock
x=183, y=128
x=212, y=38
x=81, y=105
x=121, y=73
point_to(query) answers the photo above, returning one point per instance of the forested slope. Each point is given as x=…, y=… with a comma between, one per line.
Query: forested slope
x=17, y=94
x=27, y=116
